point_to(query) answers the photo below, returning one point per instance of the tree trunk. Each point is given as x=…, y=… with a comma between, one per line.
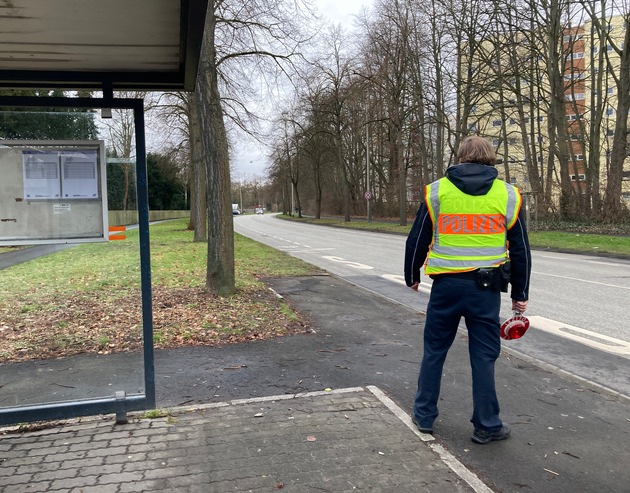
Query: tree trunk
x=613, y=206
x=198, y=215
x=402, y=183
x=220, y=269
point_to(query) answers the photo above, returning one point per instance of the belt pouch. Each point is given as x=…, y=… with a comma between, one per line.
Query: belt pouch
x=484, y=278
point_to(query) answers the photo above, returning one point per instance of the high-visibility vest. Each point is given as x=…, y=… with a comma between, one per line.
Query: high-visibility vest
x=469, y=231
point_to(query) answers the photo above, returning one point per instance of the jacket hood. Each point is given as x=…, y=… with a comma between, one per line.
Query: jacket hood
x=472, y=178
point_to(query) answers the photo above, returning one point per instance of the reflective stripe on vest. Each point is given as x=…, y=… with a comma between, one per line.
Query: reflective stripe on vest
x=477, y=238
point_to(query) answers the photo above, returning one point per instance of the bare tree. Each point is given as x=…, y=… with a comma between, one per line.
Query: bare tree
x=258, y=35
x=617, y=62
x=121, y=131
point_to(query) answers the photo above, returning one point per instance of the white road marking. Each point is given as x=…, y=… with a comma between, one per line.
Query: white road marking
x=401, y=280
x=606, y=263
x=583, y=336
x=349, y=263
x=313, y=250
x=583, y=280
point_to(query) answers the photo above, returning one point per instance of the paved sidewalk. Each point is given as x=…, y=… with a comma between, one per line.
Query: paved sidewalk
x=339, y=441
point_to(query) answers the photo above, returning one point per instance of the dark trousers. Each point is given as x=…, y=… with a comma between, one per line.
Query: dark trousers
x=453, y=297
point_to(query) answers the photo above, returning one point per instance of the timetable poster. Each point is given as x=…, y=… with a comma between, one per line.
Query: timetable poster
x=79, y=176
x=41, y=175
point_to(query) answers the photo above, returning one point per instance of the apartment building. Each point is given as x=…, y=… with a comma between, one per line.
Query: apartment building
x=515, y=117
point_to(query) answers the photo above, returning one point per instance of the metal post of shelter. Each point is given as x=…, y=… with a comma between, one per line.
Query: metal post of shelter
x=116, y=404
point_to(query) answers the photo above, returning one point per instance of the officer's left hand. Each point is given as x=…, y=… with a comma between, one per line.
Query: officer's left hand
x=414, y=286
x=519, y=306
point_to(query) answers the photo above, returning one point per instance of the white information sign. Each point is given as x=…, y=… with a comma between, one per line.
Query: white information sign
x=79, y=178
x=41, y=175
x=61, y=208
x=52, y=192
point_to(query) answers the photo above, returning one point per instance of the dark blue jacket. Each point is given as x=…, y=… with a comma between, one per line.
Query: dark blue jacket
x=472, y=179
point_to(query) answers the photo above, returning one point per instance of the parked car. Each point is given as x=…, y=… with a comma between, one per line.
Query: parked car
x=260, y=210
x=235, y=212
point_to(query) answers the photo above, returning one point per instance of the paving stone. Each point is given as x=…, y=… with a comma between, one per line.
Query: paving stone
x=333, y=442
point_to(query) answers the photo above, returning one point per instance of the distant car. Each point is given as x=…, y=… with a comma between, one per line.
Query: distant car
x=236, y=212
x=260, y=210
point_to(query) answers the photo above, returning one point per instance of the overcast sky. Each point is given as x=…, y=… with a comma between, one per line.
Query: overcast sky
x=248, y=159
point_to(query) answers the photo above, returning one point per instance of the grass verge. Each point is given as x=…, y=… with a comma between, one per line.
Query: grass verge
x=87, y=298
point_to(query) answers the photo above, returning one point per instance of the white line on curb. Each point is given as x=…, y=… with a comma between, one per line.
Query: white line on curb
x=449, y=459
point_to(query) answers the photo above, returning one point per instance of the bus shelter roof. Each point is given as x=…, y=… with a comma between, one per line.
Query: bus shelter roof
x=101, y=44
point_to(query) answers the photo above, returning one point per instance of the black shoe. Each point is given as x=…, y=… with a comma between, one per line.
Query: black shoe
x=484, y=436
x=428, y=431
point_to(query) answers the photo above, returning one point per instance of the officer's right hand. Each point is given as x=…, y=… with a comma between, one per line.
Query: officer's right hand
x=414, y=286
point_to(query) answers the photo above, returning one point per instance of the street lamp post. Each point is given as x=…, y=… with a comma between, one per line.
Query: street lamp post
x=368, y=193
x=240, y=191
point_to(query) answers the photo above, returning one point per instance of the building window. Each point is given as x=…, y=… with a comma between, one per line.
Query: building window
x=577, y=56
x=574, y=76
x=571, y=118
x=578, y=157
x=610, y=111
x=610, y=90
x=610, y=132
x=571, y=38
x=581, y=177
x=496, y=142
x=497, y=123
x=578, y=96
x=576, y=136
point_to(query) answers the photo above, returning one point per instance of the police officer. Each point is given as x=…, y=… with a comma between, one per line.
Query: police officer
x=467, y=232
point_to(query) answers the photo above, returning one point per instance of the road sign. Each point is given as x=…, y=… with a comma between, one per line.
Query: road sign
x=368, y=195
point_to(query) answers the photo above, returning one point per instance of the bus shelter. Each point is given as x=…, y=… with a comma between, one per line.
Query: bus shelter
x=53, y=190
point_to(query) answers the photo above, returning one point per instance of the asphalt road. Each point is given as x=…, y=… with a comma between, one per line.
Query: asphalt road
x=577, y=309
